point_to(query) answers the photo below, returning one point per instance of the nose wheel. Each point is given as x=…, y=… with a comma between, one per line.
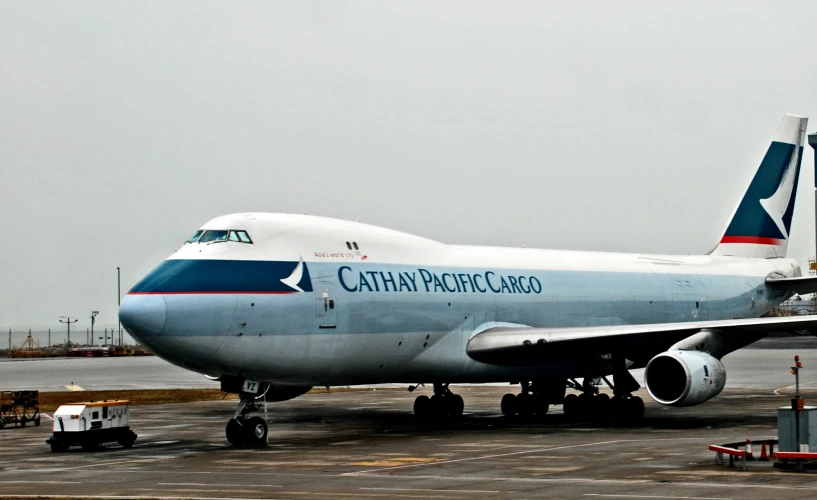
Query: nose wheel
x=244, y=429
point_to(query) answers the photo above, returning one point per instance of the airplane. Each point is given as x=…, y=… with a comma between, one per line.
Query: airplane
x=273, y=304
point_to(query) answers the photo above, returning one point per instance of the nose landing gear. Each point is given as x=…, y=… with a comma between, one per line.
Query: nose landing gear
x=245, y=430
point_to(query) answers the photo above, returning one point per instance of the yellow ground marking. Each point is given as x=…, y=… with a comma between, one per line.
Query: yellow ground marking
x=391, y=462
x=567, y=468
x=74, y=387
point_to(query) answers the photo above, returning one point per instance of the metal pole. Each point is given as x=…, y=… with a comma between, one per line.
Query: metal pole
x=9, y=339
x=119, y=294
x=68, y=322
x=49, y=338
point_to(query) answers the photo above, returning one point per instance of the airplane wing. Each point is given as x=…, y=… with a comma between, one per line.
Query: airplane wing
x=531, y=346
x=800, y=285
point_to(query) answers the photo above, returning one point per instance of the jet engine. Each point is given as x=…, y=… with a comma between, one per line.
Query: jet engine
x=684, y=378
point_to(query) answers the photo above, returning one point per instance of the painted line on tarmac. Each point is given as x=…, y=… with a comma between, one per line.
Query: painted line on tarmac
x=222, y=485
x=791, y=387
x=130, y=497
x=524, y=452
x=610, y=495
x=594, y=481
x=435, y=491
x=40, y=482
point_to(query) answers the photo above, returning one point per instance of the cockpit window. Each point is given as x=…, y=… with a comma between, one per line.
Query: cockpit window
x=234, y=236
x=194, y=237
x=212, y=235
x=244, y=237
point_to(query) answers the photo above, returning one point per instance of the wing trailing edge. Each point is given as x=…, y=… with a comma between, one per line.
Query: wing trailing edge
x=533, y=346
x=800, y=285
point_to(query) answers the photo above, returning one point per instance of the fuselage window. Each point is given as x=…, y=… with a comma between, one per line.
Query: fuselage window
x=213, y=235
x=348, y=245
x=355, y=244
x=194, y=237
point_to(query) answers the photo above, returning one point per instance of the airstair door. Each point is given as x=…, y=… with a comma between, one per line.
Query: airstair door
x=325, y=306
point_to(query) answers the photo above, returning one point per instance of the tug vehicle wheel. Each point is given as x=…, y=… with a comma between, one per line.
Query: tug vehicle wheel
x=235, y=433
x=256, y=429
x=58, y=447
x=126, y=442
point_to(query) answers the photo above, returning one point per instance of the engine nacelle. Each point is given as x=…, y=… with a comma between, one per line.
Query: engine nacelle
x=684, y=378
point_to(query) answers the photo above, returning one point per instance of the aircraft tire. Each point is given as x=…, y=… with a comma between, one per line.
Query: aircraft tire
x=569, y=405
x=635, y=407
x=584, y=405
x=439, y=406
x=235, y=433
x=422, y=407
x=256, y=429
x=508, y=405
x=525, y=404
x=541, y=405
x=455, y=406
x=601, y=406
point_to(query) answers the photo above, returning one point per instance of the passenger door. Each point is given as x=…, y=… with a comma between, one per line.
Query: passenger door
x=325, y=305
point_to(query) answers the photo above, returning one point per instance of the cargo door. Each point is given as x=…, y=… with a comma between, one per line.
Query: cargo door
x=325, y=305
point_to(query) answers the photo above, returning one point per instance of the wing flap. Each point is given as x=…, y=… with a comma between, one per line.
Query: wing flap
x=532, y=346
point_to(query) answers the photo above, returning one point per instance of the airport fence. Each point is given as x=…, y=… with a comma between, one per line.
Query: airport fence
x=16, y=337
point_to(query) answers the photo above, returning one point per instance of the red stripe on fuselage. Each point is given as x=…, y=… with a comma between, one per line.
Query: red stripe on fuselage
x=210, y=293
x=752, y=240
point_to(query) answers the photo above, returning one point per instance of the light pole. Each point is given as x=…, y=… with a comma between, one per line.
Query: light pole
x=93, y=320
x=118, y=302
x=68, y=322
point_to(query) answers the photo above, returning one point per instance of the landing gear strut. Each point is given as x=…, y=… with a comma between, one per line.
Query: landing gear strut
x=443, y=404
x=245, y=430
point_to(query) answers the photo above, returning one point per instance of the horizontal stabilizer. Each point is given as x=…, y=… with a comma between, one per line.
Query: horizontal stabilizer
x=534, y=346
x=800, y=285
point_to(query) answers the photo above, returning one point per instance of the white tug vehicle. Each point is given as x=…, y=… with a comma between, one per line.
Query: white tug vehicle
x=91, y=424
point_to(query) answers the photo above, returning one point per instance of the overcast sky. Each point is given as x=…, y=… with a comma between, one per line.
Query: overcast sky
x=620, y=126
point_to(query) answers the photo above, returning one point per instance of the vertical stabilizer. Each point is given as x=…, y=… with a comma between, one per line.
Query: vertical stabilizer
x=761, y=224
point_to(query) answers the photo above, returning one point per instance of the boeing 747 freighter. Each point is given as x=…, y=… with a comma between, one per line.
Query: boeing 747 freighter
x=273, y=304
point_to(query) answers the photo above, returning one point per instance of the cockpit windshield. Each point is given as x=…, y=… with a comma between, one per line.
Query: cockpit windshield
x=216, y=235
x=195, y=237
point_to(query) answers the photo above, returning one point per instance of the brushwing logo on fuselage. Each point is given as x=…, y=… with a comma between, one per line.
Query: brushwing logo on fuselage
x=294, y=279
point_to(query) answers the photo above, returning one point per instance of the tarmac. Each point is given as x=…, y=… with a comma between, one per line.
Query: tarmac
x=762, y=365
x=367, y=444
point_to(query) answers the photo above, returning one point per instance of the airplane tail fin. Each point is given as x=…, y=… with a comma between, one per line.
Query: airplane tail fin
x=761, y=223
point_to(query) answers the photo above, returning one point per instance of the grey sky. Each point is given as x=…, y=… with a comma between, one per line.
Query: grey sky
x=609, y=125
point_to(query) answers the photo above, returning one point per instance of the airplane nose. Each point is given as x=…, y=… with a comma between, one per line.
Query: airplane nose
x=143, y=316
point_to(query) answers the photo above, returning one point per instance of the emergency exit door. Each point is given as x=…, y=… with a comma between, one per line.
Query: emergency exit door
x=325, y=306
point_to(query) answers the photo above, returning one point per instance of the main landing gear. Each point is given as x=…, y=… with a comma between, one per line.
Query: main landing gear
x=527, y=403
x=443, y=404
x=245, y=430
x=590, y=404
